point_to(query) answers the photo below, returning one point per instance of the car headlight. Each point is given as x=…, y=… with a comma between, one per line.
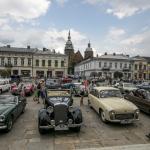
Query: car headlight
x=50, y=109
x=71, y=109
x=137, y=111
x=2, y=118
x=111, y=112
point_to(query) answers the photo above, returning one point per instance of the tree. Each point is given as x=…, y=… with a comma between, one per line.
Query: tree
x=118, y=74
x=4, y=73
x=72, y=63
x=94, y=74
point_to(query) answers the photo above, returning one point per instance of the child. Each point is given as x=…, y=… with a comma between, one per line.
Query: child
x=35, y=92
x=21, y=90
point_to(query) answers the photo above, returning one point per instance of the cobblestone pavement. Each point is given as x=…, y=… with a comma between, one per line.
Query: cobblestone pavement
x=94, y=134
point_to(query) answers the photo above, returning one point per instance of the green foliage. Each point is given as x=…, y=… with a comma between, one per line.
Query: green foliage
x=4, y=73
x=118, y=74
x=72, y=63
x=94, y=74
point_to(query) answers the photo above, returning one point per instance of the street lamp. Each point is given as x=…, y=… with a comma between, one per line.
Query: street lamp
x=64, y=66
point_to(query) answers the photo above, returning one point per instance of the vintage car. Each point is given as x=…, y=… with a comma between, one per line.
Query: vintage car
x=50, y=81
x=141, y=98
x=10, y=108
x=4, y=85
x=75, y=90
x=145, y=85
x=111, y=106
x=28, y=90
x=59, y=113
x=124, y=87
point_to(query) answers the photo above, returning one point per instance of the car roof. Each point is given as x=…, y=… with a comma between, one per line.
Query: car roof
x=105, y=88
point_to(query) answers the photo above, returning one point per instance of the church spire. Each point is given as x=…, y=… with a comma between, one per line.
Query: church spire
x=69, y=38
x=89, y=45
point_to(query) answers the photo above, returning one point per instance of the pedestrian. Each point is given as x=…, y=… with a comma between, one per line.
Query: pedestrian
x=91, y=86
x=70, y=84
x=6, y=77
x=21, y=90
x=35, y=92
x=78, y=80
x=110, y=80
x=9, y=79
x=24, y=93
x=81, y=91
x=63, y=80
x=116, y=85
x=55, y=83
x=45, y=78
x=86, y=84
x=40, y=90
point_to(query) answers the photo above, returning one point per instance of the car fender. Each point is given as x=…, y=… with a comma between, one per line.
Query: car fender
x=77, y=116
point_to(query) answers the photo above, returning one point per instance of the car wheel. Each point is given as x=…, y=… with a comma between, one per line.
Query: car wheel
x=30, y=93
x=77, y=129
x=89, y=103
x=103, y=118
x=41, y=131
x=23, y=110
x=9, y=124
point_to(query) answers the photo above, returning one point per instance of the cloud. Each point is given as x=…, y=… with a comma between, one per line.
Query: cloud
x=143, y=29
x=3, y=21
x=60, y=2
x=114, y=34
x=6, y=28
x=60, y=39
x=22, y=10
x=6, y=38
x=124, y=8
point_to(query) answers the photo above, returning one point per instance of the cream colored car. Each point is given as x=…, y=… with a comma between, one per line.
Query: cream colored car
x=111, y=106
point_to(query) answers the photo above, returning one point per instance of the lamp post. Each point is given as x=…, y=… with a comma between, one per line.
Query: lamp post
x=64, y=66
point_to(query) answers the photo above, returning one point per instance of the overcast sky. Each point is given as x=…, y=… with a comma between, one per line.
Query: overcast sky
x=121, y=26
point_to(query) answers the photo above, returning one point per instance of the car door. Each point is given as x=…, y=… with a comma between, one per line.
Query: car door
x=120, y=87
x=137, y=101
x=96, y=100
x=91, y=97
x=20, y=105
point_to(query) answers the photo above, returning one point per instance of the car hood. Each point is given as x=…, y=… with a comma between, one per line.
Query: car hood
x=15, y=87
x=130, y=88
x=119, y=104
x=5, y=107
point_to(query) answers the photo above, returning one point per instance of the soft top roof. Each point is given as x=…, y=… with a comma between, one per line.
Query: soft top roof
x=105, y=88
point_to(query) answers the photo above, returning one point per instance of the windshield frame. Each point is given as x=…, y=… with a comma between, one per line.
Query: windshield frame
x=25, y=84
x=128, y=86
x=15, y=97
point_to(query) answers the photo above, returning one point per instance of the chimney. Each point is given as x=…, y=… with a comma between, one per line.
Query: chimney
x=91, y=58
x=127, y=55
x=8, y=46
x=97, y=55
x=28, y=47
x=105, y=53
x=44, y=48
x=114, y=53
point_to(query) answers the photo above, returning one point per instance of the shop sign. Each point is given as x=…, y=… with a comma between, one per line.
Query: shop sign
x=51, y=69
x=25, y=71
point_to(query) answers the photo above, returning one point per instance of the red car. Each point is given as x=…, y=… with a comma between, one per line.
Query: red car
x=28, y=90
x=67, y=80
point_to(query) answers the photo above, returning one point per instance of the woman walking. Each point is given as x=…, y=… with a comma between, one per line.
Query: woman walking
x=35, y=92
x=81, y=91
x=86, y=84
x=21, y=90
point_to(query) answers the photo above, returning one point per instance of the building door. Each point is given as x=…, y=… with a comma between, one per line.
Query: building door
x=49, y=74
x=40, y=73
x=15, y=72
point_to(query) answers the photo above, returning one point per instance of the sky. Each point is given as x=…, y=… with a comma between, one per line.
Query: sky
x=113, y=26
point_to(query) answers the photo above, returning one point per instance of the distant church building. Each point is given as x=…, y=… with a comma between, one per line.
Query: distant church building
x=88, y=52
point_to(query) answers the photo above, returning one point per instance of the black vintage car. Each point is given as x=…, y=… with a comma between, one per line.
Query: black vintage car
x=59, y=113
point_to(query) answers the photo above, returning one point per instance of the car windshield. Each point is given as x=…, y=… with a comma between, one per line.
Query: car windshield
x=129, y=85
x=8, y=99
x=49, y=82
x=56, y=92
x=26, y=84
x=77, y=86
x=61, y=99
x=110, y=93
x=145, y=84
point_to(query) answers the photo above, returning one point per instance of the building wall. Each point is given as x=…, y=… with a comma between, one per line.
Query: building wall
x=88, y=53
x=69, y=52
x=78, y=57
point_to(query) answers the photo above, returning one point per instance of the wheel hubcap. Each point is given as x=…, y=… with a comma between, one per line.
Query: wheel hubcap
x=10, y=123
x=103, y=116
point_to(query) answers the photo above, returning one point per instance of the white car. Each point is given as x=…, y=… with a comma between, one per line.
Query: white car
x=4, y=85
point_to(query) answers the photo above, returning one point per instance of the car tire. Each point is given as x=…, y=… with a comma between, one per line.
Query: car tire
x=23, y=110
x=77, y=129
x=102, y=115
x=9, y=124
x=89, y=103
x=41, y=131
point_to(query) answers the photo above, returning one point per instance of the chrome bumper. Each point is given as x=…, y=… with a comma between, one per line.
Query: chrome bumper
x=74, y=125
x=119, y=121
x=3, y=127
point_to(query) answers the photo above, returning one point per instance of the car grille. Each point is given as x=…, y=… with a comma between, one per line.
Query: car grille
x=124, y=116
x=60, y=114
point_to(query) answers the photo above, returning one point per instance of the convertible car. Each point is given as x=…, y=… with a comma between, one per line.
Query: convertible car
x=141, y=98
x=111, y=106
x=76, y=89
x=59, y=113
x=10, y=108
x=145, y=85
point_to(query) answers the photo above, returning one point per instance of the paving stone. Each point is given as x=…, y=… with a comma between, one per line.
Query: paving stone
x=35, y=140
x=6, y=144
x=42, y=145
x=82, y=145
x=19, y=144
x=32, y=134
x=59, y=140
x=64, y=147
x=114, y=136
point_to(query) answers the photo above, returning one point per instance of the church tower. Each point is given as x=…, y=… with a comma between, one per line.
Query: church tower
x=88, y=52
x=69, y=49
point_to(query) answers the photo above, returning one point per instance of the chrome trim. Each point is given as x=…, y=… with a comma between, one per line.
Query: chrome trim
x=74, y=125
x=133, y=120
x=3, y=127
x=47, y=127
x=60, y=104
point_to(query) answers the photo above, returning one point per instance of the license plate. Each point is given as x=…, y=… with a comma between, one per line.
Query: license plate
x=126, y=121
x=18, y=92
x=61, y=127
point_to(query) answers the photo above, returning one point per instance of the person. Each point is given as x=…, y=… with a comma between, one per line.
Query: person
x=35, y=92
x=91, y=86
x=78, y=80
x=81, y=91
x=117, y=84
x=9, y=79
x=86, y=84
x=45, y=78
x=110, y=80
x=6, y=77
x=21, y=90
x=40, y=90
x=70, y=84
x=24, y=93
x=63, y=80
x=55, y=83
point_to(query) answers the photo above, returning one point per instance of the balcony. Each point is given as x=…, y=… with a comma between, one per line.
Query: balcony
x=105, y=68
x=126, y=69
x=8, y=65
x=141, y=70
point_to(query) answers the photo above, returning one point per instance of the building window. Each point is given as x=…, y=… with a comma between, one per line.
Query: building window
x=140, y=67
x=56, y=62
x=125, y=65
x=120, y=65
x=129, y=66
x=99, y=64
x=22, y=62
x=37, y=62
x=62, y=63
x=43, y=62
x=135, y=67
x=116, y=65
x=105, y=64
x=29, y=62
x=49, y=62
x=2, y=61
x=144, y=67
x=110, y=65
x=15, y=61
x=69, y=53
x=9, y=60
